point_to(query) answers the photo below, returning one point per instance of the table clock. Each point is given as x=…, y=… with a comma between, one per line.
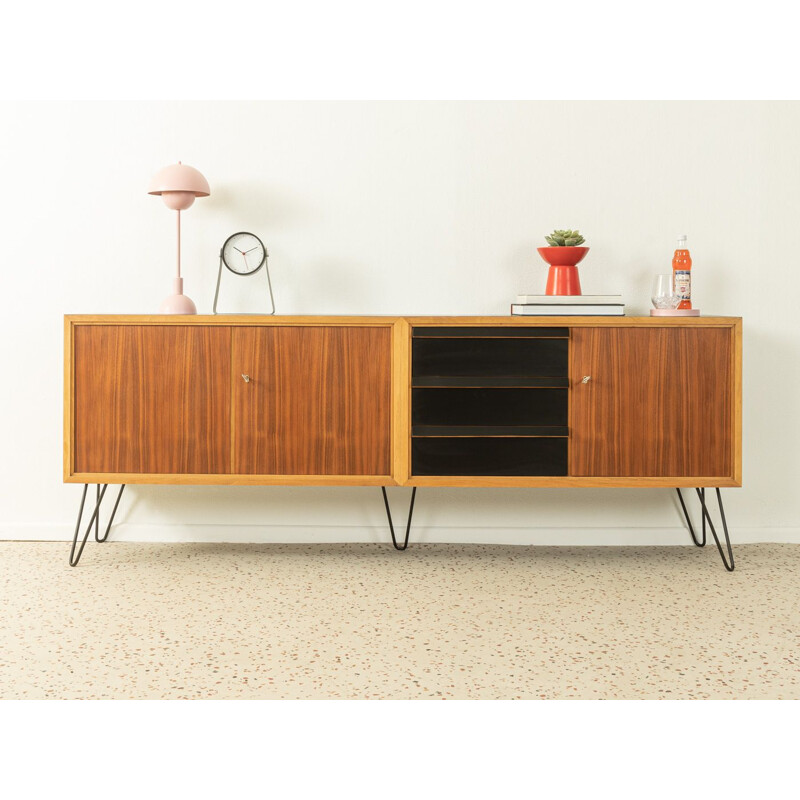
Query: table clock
x=244, y=255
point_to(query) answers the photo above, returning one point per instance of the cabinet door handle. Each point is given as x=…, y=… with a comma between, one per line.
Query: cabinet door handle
x=586, y=379
x=246, y=378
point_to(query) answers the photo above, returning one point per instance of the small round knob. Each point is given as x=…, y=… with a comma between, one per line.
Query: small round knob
x=246, y=378
x=586, y=379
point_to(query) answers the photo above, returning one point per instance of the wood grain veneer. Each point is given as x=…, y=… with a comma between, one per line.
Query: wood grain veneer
x=151, y=399
x=659, y=402
x=318, y=401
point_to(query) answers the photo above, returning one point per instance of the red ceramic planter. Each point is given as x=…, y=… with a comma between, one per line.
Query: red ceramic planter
x=563, y=275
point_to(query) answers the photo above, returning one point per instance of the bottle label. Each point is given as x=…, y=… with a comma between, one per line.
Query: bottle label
x=683, y=284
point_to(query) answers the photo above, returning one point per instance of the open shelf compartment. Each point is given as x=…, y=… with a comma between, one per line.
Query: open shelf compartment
x=489, y=401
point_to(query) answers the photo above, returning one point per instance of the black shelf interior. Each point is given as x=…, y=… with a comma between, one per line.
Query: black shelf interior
x=488, y=456
x=489, y=406
x=489, y=401
x=489, y=358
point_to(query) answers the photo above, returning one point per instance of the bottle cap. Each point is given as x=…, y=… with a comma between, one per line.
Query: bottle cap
x=682, y=238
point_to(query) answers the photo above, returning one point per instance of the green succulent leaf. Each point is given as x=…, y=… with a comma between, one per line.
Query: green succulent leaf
x=565, y=238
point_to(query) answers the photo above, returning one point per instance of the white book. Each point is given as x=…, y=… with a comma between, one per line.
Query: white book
x=529, y=310
x=570, y=299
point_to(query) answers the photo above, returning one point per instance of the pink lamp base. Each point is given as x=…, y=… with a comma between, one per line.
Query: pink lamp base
x=178, y=303
x=674, y=312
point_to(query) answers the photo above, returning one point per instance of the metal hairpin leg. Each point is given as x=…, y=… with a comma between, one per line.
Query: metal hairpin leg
x=706, y=517
x=702, y=542
x=389, y=515
x=93, y=520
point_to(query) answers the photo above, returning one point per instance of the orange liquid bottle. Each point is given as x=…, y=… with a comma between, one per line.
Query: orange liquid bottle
x=682, y=273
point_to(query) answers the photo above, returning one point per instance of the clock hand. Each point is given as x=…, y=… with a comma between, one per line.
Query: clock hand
x=250, y=250
x=236, y=249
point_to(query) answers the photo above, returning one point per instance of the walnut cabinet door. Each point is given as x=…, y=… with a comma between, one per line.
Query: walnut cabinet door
x=151, y=399
x=658, y=402
x=311, y=400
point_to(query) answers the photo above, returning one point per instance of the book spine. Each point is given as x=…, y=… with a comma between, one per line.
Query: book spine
x=530, y=310
x=589, y=300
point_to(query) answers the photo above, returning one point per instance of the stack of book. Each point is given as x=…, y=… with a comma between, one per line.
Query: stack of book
x=556, y=305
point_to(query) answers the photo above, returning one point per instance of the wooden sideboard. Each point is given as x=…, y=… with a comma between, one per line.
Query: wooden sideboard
x=404, y=401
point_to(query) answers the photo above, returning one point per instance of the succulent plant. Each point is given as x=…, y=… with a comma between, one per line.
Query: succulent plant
x=565, y=239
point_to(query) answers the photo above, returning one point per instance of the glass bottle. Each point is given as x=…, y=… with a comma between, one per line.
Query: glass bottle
x=682, y=274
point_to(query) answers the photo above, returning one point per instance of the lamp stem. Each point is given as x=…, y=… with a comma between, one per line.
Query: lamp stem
x=179, y=243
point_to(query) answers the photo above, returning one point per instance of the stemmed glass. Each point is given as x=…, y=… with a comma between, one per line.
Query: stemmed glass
x=663, y=294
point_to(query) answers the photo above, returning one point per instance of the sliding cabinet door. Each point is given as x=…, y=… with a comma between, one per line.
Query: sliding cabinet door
x=151, y=399
x=312, y=400
x=656, y=402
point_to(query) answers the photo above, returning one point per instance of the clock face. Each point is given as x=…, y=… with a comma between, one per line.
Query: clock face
x=244, y=253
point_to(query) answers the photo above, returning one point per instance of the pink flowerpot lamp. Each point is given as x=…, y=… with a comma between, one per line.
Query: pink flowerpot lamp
x=179, y=184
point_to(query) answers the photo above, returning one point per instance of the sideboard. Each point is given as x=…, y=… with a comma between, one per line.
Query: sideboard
x=403, y=401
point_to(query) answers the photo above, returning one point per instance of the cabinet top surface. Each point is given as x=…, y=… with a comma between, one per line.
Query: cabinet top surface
x=363, y=319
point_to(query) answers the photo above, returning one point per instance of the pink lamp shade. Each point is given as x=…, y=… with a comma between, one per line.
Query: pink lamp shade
x=179, y=184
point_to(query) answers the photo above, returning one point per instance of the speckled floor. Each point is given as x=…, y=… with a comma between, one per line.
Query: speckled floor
x=363, y=621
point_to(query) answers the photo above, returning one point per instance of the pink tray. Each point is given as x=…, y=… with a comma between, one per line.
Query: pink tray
x=674, y=312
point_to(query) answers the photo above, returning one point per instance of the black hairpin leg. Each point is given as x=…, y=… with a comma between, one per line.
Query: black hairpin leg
x=706, y=517
x=702, y=542
x=389, y=515
x=94, y=520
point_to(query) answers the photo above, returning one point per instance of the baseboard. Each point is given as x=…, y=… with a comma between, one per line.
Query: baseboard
x=298, y=534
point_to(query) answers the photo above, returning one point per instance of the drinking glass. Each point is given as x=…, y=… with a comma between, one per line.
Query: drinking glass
x=663, y=294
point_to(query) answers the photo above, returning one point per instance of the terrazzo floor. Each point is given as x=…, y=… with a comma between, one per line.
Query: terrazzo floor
x=361, y=621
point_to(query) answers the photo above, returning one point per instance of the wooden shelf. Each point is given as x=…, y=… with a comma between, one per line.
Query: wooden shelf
x=467, y=382
x=490, y=333
x=490, y=431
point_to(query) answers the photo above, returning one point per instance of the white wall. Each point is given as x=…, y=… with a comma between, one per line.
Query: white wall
x=398, y=208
